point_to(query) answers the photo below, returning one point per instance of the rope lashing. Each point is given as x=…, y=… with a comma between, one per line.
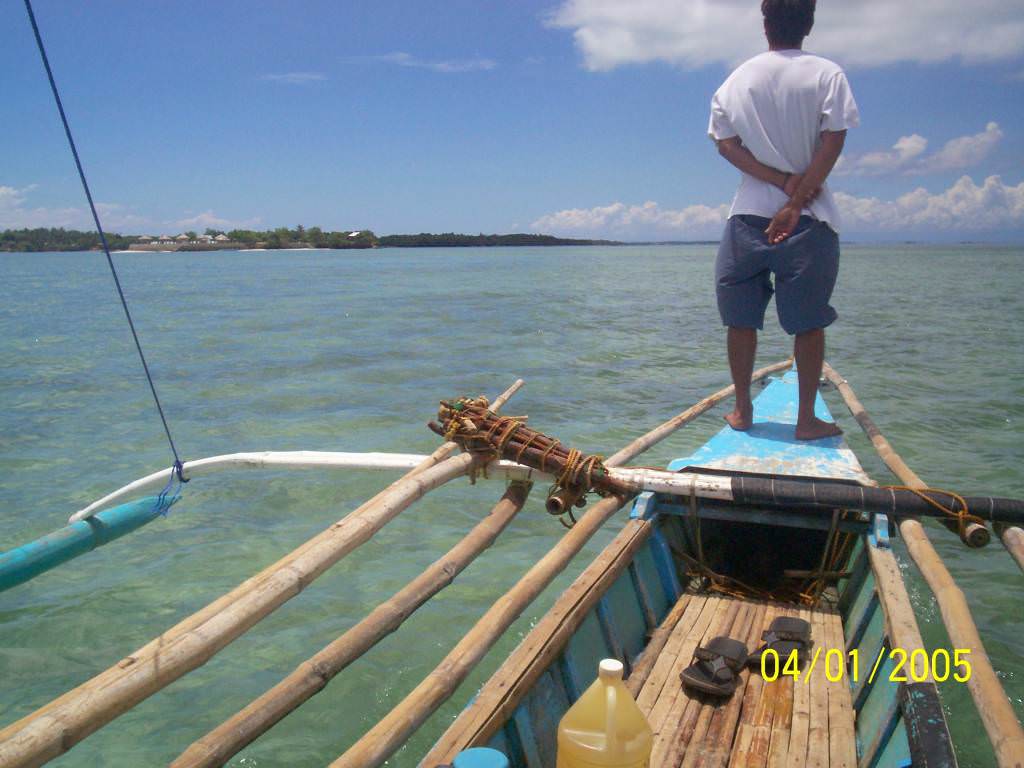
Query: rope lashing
x=476, y=429
x=959, y=512
x=172, y=491
x=103, y=237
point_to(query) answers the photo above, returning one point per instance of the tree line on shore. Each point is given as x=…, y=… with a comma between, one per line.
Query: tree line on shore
x=60, y=239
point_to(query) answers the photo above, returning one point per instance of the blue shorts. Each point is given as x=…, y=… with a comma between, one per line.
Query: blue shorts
x=805, y=266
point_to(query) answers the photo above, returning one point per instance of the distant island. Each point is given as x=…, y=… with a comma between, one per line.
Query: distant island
x=59, y=239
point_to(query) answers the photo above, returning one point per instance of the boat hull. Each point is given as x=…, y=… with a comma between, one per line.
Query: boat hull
x=646, y=596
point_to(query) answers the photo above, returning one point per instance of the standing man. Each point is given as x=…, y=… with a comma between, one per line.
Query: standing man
x=781, y=119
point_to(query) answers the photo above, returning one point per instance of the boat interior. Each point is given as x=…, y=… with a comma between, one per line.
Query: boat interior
x=680, y=574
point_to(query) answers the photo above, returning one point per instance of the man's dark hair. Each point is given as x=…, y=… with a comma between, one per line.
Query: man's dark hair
x=787, y=22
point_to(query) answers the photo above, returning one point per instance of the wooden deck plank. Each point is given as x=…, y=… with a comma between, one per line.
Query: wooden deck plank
x=842, y=741
x=801, y=717
x=675, y=711
x=780, y=724
x=677, y=651
x=667, y=658
x=782, y=716
x=680, y=753
x=814, y=677
x=743, y=741
x=645, y=662
x=716, y=748
x=760, y=725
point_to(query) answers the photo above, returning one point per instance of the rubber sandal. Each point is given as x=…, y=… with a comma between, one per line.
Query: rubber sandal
x=716, y=666
x=785, y=635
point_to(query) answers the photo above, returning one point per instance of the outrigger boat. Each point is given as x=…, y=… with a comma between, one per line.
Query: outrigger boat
x=708, y=551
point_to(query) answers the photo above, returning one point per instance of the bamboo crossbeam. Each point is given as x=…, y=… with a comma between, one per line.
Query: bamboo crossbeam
x=56, y=727
x=394, y=729
x=997, y=715
x=310, y=677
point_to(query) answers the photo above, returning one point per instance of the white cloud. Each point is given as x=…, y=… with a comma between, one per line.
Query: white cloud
x=449, y=66
x=965, y=206
x=695, y=33
x=208, y=219
x=647, y=220
x=296, y=78
x=908, y=155
x=964, y=151
x=15, y=213
x=904, y=151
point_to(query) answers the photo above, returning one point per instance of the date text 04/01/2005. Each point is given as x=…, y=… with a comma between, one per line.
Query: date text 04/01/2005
x=916, y=666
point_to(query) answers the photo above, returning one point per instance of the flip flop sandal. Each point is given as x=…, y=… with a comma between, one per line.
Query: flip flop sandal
x=785, y=635
x=715, y=666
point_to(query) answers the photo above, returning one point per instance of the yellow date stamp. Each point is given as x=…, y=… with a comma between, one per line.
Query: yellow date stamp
x=917, y=666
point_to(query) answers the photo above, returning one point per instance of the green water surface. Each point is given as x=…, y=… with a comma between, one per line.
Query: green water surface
x=351, y=351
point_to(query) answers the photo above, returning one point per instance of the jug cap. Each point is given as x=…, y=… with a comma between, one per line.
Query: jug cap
x=610, y=669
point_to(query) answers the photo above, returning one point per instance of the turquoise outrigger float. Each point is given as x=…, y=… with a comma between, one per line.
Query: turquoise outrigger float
x=671, y=581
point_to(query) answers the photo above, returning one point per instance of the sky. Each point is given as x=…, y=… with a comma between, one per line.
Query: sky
x=580, y=118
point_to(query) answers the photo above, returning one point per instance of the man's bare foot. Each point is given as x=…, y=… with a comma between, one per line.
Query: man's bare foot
x=817, y=429
x=740, y=420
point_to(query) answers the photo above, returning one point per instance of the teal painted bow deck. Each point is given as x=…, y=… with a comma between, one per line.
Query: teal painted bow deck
x=639, y=601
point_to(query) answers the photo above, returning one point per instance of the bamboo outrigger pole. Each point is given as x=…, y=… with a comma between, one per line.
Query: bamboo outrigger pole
x=1012, y=537
x=384, y=739
x=310, y=677
x=395, y=728
x=973, y=534
x=59, y=725
x=1004, y=731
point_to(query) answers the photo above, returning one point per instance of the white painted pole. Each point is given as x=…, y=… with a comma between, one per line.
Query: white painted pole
x=661, y=481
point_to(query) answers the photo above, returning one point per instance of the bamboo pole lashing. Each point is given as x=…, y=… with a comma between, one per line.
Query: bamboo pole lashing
x=57, y=726
x=1001, y=724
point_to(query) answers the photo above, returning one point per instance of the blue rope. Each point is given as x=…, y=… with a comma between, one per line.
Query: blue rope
x=171, y=492
x=106, y=248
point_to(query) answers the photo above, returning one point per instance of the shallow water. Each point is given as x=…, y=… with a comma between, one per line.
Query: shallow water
x=350, y=351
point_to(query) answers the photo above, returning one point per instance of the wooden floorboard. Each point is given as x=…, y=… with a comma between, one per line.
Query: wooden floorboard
x=787, y=723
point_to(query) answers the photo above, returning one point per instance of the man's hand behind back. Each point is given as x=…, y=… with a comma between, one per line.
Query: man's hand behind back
x=783, y=223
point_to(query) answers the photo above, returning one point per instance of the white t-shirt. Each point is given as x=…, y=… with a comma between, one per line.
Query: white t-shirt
x=778, y=103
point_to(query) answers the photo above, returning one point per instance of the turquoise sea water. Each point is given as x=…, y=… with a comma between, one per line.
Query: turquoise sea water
x=351, y=351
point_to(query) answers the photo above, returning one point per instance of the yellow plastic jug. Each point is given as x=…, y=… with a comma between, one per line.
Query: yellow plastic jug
x=605, y=728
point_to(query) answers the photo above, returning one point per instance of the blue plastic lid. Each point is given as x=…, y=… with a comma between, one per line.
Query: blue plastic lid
x=481, y=757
